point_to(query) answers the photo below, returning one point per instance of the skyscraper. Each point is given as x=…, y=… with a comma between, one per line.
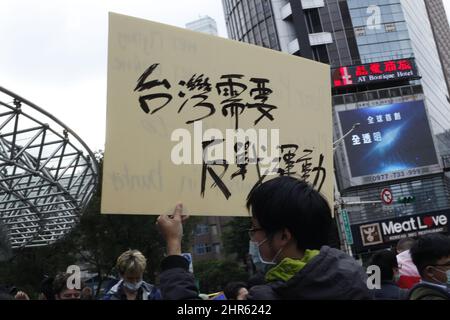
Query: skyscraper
x=441, y=30
x=204, y=24
x=390, y=97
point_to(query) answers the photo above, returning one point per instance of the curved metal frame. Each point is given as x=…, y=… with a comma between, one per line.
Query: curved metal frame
x=47, y=174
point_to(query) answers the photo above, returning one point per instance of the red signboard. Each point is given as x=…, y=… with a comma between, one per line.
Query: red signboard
x=374, y=72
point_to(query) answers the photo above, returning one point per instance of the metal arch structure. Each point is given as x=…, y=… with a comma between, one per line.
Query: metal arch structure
x=47, y=174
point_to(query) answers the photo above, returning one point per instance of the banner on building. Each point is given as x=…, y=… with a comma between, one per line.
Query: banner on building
x=381, y=234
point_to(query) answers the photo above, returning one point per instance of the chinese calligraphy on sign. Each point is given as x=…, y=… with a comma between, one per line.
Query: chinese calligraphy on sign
x=202, y=120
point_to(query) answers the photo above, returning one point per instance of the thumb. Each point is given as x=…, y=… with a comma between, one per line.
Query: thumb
x=178, y=211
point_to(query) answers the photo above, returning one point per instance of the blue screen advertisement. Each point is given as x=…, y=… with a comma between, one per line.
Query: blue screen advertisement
x=394, y=138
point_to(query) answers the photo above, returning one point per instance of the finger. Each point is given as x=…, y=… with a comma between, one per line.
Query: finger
x=178, y=211
x=184, y=218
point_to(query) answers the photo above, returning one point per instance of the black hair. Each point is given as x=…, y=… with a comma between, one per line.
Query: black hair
x=386, y=260
x=287, y=202
x=429, y=249
x=47, y=288
x=231, y=290
x=405, y=244
x=60, y=283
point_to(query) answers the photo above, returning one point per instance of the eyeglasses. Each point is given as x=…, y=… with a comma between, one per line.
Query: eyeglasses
x=252, y=231
x=442, y=265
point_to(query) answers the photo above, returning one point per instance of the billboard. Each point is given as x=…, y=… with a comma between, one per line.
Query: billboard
x=391, y=142
x=381, y=234
x=391, y=70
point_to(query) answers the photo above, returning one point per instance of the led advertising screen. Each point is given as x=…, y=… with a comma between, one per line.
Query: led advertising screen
x=392, y=70
x=391, y=142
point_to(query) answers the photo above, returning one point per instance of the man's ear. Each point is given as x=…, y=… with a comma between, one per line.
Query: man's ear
x=428, y=272
x=286, y=235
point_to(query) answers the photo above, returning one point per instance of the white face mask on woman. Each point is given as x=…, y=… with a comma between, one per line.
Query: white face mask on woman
x=133, y=287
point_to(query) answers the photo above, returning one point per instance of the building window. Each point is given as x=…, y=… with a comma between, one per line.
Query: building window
x=213, y=229
x=201, y=229
x=390, y=27
x=360, y=31
x=313, y=21
x=202, y=248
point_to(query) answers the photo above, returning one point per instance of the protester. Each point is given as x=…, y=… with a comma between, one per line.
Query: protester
x=409, y=276
x=131, y=266
x=21, y=295
x=404, y=244
x=290, y=228
x=5, y=293
x=61, y=291
x=387, y=262
x=431, y=255
x=236, y=291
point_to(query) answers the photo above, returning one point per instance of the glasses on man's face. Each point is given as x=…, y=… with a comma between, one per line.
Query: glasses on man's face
x=445, y=265
x=252, y=231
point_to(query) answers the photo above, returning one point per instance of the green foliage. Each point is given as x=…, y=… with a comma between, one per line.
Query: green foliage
x=235, y=237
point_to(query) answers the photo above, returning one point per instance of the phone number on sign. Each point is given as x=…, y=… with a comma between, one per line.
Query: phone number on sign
x=394, y=175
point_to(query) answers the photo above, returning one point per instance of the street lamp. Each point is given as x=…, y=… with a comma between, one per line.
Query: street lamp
x=337, y=195
x=356, y=125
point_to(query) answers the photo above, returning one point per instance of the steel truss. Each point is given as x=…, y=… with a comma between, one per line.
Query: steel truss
x=47, y=174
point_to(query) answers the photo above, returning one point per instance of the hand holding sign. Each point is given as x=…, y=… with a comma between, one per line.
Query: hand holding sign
x=171, y=228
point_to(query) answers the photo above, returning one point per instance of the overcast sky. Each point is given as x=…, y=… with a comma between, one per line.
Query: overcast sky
x=54, y=52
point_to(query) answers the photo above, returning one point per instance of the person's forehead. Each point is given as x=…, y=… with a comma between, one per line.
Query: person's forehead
x=131, y=274
x=70, y=291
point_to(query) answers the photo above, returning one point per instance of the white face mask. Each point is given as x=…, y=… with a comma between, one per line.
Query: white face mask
x=256, y=253
x=133, y=287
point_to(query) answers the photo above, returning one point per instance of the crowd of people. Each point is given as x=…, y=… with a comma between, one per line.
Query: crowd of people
x=289, y=236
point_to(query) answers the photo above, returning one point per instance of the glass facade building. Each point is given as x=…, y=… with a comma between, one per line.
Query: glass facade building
x=441, y=30
x=251, y=21
x=345, y=33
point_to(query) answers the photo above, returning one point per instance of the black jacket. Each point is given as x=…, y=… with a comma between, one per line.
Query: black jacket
x=390, y=291
x=332, y=274
x=427, y=291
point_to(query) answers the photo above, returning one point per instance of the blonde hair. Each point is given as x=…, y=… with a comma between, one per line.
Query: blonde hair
x=131, y=261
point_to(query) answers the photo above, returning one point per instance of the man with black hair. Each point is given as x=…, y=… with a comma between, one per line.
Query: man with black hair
x=236, y=291
x=290, y=231
x=387, y=262
x=61, y=291
x=431, y=255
